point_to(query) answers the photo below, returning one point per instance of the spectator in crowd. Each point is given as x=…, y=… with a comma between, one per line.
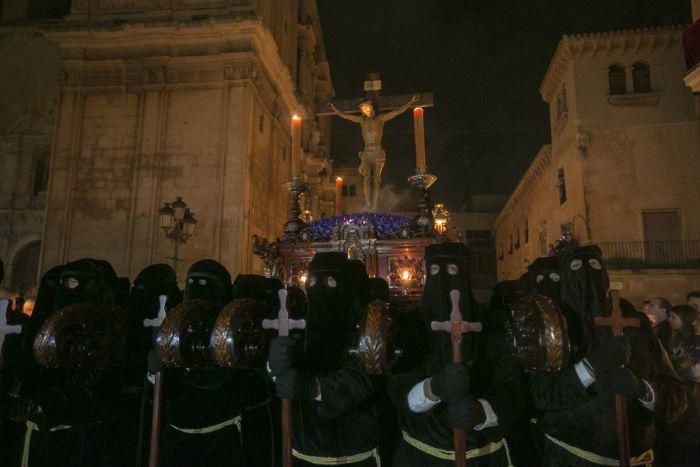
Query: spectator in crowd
x=678, y=444
x=683, y=339
x=658, y=313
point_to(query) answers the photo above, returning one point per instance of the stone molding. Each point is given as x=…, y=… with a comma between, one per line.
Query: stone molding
x=537, y=168
x=649, y=98
x=607, y=43
x=148, y=53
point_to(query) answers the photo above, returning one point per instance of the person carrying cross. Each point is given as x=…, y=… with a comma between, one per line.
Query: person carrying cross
x=440, y=400
x=577, y=406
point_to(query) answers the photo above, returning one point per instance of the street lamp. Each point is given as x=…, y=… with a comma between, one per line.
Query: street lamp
x=178, y=223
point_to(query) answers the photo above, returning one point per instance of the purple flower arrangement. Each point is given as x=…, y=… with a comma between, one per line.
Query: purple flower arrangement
x=385, y=225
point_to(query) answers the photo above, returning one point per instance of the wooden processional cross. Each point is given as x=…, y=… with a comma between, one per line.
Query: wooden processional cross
x=283, y=324
x=456, y=326
x=617, y=323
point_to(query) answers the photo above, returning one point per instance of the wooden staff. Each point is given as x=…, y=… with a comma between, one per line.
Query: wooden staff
x=157, y=390
x=456, y=327
x=617, y=322
x=283, y=325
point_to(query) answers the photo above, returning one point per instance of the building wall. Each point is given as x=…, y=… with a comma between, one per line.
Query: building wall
x=181, y=98
x=621, y=155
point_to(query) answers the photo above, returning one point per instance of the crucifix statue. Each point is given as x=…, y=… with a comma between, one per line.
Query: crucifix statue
x=374, y=110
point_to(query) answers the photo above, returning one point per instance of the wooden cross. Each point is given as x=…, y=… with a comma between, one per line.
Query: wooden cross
x=158, y=320
x=617, y=322
x=456, y=327
x=5, y=328
x=283, y=325
x=373, y=87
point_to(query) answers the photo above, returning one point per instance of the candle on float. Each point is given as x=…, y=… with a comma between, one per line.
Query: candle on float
x=296, y=145
x=419, y=131
x=338, y=196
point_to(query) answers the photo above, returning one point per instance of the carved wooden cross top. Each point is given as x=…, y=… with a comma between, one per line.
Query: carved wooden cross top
x=5, y=328
x=283, y=324
x=158, y=320
x=373, y=87
x=616, y=321
x=456, y=327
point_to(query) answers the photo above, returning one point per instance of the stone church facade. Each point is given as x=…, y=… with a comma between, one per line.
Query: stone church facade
x=164, y=98
x=623, y=166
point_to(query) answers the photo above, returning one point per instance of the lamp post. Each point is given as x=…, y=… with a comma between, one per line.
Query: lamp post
x=178, y=223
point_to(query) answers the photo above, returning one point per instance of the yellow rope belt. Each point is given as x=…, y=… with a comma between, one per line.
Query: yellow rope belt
x=645, y=458
x=450, y=455
x=31, y=428
x=342, y=460
x=210, y=429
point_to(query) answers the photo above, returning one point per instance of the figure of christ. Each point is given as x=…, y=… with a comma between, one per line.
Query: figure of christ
x=373, y=157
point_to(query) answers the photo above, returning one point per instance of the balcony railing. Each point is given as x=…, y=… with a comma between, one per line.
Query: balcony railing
x=651, y=255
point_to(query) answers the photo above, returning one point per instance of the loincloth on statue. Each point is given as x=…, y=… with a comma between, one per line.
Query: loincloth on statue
x=372, y=157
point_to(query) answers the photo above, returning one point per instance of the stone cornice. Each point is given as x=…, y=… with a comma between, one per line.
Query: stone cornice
x=532, y=175
x=169, y=43
x=605, y=43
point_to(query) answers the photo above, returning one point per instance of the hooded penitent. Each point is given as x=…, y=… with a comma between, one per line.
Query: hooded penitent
x=208, y=280
x=258, y=288
x=338, y=291
x=505, y=295
x=543, y=277
x=152, y=283
x=447, y=267
x=86, y=281
x=584, y=287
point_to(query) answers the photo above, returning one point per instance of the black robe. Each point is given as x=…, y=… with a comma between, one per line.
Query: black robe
x=585, y=418
x=495, y=377
x=678, y=444
x=344, y=423
x=200, y=399
x=76, y=424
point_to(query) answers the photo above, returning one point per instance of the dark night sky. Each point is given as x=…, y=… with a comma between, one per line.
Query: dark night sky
x=483, y=59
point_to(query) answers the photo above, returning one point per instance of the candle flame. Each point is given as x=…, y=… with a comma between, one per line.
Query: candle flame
x=339, y=179
x=417, y=110
x=296, y=117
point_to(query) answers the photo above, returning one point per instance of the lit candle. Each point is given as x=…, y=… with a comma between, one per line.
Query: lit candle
x=338, y=196
x=420, y=137
x=296, y=145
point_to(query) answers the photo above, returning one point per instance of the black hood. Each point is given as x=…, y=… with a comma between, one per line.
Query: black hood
x=447, y=269
x=380, y=289
x=258, y=288
x=504, y=295
x=584, y=288
x=152, y=282
x=86, y=280
x=337, y=291
x=544, y=277
x=208, y=280
x=46, y=295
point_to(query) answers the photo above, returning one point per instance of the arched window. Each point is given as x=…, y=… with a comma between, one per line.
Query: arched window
x=353, y=190
x=617, y=80
x=345, y=190
x=24, y=267
x=641, y=77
